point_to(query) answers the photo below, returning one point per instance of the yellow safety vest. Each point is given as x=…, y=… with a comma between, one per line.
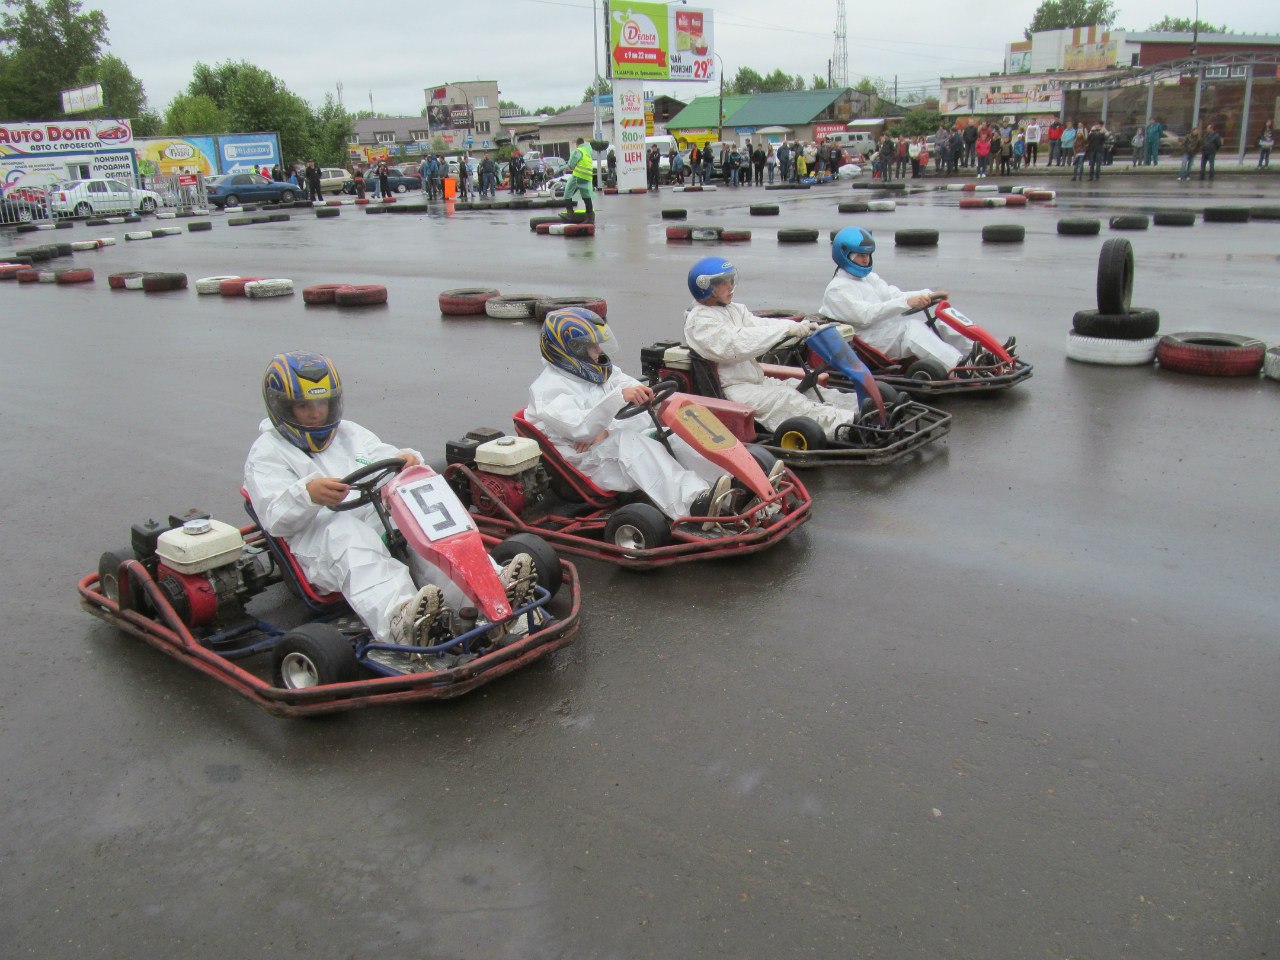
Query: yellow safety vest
x=582, y=169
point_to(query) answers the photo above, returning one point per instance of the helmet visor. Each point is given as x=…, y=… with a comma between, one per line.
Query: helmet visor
x=580, y=347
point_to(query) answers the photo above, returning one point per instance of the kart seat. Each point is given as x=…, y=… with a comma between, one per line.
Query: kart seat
x=873, y=358
x=557, y=465
x=289, y=567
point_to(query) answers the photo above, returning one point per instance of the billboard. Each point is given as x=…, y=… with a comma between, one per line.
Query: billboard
x=449, y=116
x=236, y=151
x=654, y=41
x=176, y=155
x=24, y=172
x=63, y=136
x=1089, y=56
x=82, y=99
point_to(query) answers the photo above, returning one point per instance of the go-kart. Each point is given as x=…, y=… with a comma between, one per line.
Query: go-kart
x=889, y=425
x=524, y=485
x=991, y=365
x=183, y=586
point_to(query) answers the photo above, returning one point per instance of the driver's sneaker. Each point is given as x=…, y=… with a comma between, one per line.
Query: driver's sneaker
x=776, y=474
x=412, y=620
x=518, y=578
x=712, y=501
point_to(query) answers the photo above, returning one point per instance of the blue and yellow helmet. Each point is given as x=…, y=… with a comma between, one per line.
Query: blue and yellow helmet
x=567, y=337
x=848, y=243
x=297, y=377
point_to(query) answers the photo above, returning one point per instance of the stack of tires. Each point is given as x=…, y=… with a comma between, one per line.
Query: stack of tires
x=1115, y=334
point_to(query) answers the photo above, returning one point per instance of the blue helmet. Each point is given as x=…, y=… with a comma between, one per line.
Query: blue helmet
x=567, y=337
x=849, y=242
x=706, y=273
x=298, y=377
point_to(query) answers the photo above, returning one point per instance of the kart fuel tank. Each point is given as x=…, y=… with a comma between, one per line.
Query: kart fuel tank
x=508, y=456
x=200, y=545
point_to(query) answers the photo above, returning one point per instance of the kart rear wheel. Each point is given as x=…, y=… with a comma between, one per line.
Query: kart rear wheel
x=926, y=370
x=638, y=526
x=800, y=434
x=109, y=578
x=546, y=561
x=313, y=655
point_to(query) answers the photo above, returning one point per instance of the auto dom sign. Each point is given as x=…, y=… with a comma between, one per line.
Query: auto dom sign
x=654, y=41
x=61, y=136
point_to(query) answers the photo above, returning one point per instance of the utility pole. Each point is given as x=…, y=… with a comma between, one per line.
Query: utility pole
x=838, y=72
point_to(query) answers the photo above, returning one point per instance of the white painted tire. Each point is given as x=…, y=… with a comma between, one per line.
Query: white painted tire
x=199, y=211
x=114, y=219
x=955, y=186
x=1018, y=189
x=166, y=215
x=45, y=226
x=212, y=284
x=233, y=209
x=46, y=276
x=995, y=201
x=881, y=205
x=138, y=235
x=1114, y=353
x=167, y=232
x=106, y=241
x=84, y=245
x=134, y=283
x=1271, y=364
x=263, y=289
x=556, y=229
x=704, y=233
x=986, y=188
x=517, y=306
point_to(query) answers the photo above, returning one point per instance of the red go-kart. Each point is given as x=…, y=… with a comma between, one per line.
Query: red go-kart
x=522, y=484
x=183, y=587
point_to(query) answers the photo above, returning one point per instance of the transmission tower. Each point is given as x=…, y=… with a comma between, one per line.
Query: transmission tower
x=840, y=61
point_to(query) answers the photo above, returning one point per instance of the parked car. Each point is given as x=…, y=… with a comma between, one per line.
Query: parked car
x=398, y=180
x=14, y=209
x=234, y=188
x=84, y=198
x=332, y=179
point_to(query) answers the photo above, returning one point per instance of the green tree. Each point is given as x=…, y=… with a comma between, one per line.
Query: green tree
x=819, y=83
x=1063, y=14
x=916, y=123
x=43, y=46
x=148, y=123
x=599, y=85
x=509, y=105
x=194, y=114
x=122, y=92
x=330, y=133
x=1185, y=25
x=254, y=100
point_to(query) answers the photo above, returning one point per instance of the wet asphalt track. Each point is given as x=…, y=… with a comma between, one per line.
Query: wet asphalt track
x=1013, y=699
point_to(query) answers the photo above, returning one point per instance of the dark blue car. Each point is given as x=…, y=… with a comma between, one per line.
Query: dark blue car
x=236, y=188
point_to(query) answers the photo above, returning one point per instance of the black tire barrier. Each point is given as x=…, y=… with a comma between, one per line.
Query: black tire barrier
x=1264, y=213
x=535, y=221
x=915, y=238
x=1004, y=233
x=326, y=213
x=1131, y=222
x=597, y=305
x=372, y=209
x=1174, y=218
x=674, y=214
x=1137, y=323
x=239, y=221
x=787, y=186
x=763, y=209
x=797, y=235
x=1211, y=354
x=156, y=282
x=1079, y=227
x=1115, y=277
x=1226, y=214
x=199, y=226
x=278, y=218
x=96, y=222
x=855, y=206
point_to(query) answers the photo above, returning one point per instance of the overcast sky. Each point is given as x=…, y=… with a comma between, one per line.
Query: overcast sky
x=540, y=51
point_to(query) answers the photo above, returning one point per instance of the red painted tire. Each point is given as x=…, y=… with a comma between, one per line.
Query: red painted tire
x=464, y=301
x=579, y=230
x=545, y=228
x=320, y=292
x=158, y=282
x=28, y=275
x=1015, y=200
x=116, y=280
x=679, y=233
x=235, y=288
x=1039, y=194
x=972, y=203
x=333, y=203
x=75, y=276
x=361, y=295
x=735, y=236
x=596, y=305
x=362, y=201
x=1211, y=354
x=610, y=190
x=638, y=190
x=9, y=271
x=969, y=187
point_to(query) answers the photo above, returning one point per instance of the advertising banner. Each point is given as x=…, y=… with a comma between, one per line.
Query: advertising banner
x=654, y=41
x=63, y=136
x=38, y=173
x=1089, y=56
x=240, y=151
x=166, y=155
x=461, y=118
x=628, y=133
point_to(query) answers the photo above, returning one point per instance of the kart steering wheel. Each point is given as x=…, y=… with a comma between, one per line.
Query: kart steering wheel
x=661, y=391
x=366, y=480
x=932, y=300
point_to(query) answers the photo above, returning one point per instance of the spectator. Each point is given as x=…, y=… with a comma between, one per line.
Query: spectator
x=1055, y=132
x=1191, y=144
x=982, y=148
x=1066, y=146
x=1081, y=143
x=677, y=167
x=784, y=161
x=1209, y=150
x=771, y=162
x=515, y=171
x=970, y=138
x=913, y=154
x=757, y=163
x=1033, y=142
x=1097, y=147
x=957, y=150
x=1155, y=133
x=1019, y=150
x=900, y=150
x=1139, y=144
x=1266, y=140
x=1006, y=155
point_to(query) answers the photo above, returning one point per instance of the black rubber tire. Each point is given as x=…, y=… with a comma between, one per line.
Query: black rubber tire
x=1226, y=214
x=464, y=301
x=1079, y=227
x=325, y=213
x=597, y=305
x=232, y=200
x=317, y=650
x=926, y=370
x=1211, y=354
x=1115, y=279
x=1264, y=213
x=797, y=235
x=61, y=249
x=915, y=238
x=1137, y=221
x=856, y=206
x=1173, y=218
x=763, y=209
x=641, y=526
x=1004, y=233
x=1137, y=323
x=763, y=458
x=108, y=578
x=672, y=214
x=198, y=226
x=286, y=196
x=800, y=434
x=888, y=394
x=147, y=205
x=534, y=221
x=546, y=561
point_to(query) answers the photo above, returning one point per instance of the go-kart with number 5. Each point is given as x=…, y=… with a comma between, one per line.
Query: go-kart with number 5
x=185, y=586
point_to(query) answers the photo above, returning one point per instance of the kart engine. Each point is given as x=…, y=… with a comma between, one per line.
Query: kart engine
x=200, y=565
x=507, y=470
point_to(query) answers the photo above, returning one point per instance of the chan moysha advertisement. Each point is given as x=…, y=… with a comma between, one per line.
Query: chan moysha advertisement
x=654, y=41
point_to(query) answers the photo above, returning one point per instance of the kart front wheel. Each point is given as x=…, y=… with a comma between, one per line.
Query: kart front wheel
x=926, y=370
x=546, y=561
x=638, y=526
x=800, y=434
x=313, y=655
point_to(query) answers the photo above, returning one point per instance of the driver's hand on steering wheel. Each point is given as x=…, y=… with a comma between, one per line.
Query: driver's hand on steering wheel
x=410, y=458
x=939, y=295
x=809, y=325
x=919, y=300
x=327, y=491
x=637, y=394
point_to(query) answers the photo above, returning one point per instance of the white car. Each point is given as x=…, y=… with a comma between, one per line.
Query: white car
x=84, y=198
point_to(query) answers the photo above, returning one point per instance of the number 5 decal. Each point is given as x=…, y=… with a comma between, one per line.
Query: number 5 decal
x=435, y=507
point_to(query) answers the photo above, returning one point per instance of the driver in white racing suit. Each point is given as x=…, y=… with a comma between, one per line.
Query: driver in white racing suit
x=574, y=401
x=858, y=297
x=731, y=336
x=291, y=475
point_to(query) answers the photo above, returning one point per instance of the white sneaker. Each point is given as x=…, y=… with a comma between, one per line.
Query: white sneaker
x=776, y=474
x=519, y=577
x=412, y=621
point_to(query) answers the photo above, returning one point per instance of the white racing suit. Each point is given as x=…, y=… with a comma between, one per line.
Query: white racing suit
x=569, y=409
x=875, y=309
x=338, y=552
x=732, y=337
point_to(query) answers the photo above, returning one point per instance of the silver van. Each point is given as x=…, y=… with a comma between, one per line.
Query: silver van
x=863, y=143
